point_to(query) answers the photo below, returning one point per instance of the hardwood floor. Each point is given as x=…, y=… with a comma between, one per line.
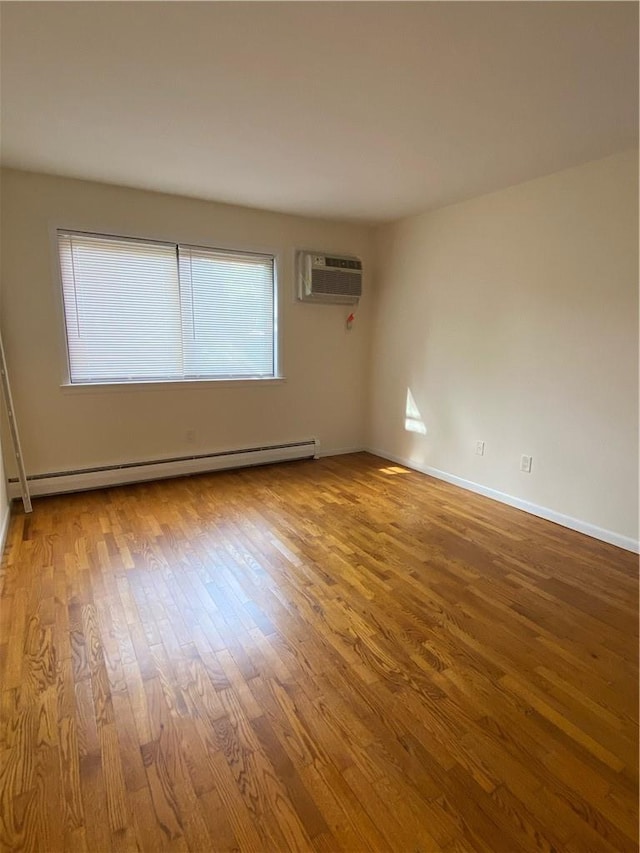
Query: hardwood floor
x=331, y=655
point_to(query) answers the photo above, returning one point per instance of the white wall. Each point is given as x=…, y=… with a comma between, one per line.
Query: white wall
x=513, y=319
x=69, y=428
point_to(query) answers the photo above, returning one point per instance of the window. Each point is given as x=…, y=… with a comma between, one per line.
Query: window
x=140, y=311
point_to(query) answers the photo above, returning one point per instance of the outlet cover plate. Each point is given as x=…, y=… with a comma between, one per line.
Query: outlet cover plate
x=525, y=463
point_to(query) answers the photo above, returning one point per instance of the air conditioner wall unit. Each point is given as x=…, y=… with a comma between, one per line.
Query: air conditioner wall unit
x=329, y=278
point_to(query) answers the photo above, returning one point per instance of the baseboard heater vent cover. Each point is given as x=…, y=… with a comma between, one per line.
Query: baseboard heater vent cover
x=158, y=469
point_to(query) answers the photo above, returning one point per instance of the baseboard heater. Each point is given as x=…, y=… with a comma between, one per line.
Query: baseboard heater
x=158, y=469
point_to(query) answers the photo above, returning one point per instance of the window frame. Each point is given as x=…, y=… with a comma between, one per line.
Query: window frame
x=67, y=386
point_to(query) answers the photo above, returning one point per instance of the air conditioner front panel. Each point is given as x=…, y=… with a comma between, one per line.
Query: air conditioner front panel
x=329, y=278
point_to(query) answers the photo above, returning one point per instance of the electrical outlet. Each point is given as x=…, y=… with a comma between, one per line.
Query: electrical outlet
x=525, y=464
x=480, y=448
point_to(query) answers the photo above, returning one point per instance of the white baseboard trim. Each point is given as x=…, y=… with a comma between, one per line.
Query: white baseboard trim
x=4, y=528
x=342, y=451
x=592, y=530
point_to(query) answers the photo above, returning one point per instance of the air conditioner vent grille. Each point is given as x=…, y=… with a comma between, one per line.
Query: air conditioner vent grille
x=336, y=282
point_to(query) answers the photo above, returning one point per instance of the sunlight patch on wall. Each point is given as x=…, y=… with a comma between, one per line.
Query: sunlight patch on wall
x=413, y=419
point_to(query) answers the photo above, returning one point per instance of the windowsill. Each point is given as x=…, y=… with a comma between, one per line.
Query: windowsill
x=167, y=384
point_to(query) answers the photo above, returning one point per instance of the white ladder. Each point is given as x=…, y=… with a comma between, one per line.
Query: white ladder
x=15, y=438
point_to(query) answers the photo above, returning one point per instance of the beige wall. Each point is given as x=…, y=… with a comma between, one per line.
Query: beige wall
x=61, y=428
x=513, y=319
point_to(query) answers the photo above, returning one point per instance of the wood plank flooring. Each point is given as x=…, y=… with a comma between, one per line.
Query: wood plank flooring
x=330, y=655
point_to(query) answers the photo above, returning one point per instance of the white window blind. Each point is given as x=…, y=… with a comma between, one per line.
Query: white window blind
x=227, y=313
x=140, y=311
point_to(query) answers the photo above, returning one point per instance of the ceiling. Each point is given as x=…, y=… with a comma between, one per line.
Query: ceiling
x=354, y=110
